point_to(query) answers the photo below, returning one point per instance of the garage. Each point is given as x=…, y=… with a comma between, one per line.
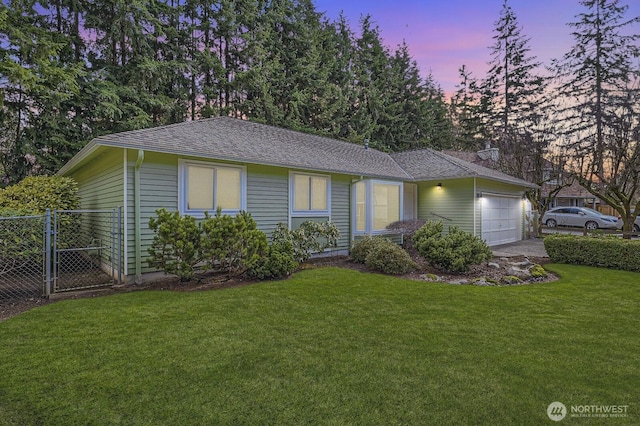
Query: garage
x=501, y=219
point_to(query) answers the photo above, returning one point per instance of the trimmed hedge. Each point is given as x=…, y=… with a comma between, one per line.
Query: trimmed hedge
x=602, y=251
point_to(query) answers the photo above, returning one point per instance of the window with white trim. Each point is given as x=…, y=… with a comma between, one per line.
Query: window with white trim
x=386, y=205
x=361, y=206
x=377, y=205
x=309, y=193
x=207, y=186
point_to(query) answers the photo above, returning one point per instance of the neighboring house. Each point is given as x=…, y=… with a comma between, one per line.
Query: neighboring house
x=280, y=175
x=574, y=195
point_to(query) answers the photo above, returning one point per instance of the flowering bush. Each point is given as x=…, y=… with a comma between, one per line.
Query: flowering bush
x=311, y=237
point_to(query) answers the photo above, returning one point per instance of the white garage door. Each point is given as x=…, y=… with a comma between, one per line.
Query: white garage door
x=501, y=219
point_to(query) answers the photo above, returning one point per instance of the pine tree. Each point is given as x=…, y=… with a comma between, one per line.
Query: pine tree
x=512, y=88
x=465, y=113
x=599, y=104
x=371, y=75
x=36, y=86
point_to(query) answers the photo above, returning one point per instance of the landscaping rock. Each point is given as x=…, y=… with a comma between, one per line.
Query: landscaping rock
x=524, y=264
x=430, y=277
x=523, y=274
x=493, y=265
x=483, y=281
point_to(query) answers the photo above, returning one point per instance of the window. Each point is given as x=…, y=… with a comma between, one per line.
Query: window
x=377, y=204
x=386, y=205
x=207, y=186
x=309, y=193
x=361, y=206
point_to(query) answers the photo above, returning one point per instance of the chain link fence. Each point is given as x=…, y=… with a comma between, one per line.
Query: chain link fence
x=60, y=251
x=22, y=257
x=86, y=248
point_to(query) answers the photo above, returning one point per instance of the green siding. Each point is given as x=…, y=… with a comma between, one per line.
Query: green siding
x=457, y=202
x=454, y=204
x=341, y=208
x=268, y=196
x=158, y=189
x=100, y=182
x=100, y=187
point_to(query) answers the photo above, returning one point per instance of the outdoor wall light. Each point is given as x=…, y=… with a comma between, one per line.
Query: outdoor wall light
x=479, y=194
x=439, y=186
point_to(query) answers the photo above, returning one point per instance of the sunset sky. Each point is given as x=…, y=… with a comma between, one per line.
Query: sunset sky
x=442, y=35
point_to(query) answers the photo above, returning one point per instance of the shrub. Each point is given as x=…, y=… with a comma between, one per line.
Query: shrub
x=176, y=246
x=454, y=252
x=310, y=237
x=511, y=279
x=232, y=244
x=361, y=247
x=21, y=240
x=277, y=263
x=538, y=271
x=382, y=254
x=36, y=194
x=390, y=259
x=222, y=242
x=607, y=252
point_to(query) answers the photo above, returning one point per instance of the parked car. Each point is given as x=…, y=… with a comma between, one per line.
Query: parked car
x=581, y=217
x=636, y=224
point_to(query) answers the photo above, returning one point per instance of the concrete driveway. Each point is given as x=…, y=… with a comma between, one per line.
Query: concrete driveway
x=533, y=247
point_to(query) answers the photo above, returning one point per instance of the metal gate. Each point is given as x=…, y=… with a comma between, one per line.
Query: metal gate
x=86, y=249
x=59, y=251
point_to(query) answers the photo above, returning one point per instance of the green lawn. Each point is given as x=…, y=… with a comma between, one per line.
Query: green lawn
x=329, y=346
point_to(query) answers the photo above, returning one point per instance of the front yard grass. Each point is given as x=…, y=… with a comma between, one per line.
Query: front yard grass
x=329, y=346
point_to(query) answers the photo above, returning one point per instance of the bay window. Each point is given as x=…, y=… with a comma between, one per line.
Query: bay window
x=376, y=205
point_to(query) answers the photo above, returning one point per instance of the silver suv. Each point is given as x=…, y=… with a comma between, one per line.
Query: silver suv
x=581, y=217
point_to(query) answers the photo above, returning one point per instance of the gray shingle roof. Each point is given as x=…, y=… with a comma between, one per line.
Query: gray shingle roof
x=226, y=138
x=245, y=141
x=427, y=164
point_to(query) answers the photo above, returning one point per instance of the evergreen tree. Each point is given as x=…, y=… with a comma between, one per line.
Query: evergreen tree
x=35, y=86
x=512, y=90
x=599, y=104
x=370, y=72
x=72, y=70
x=465, y=113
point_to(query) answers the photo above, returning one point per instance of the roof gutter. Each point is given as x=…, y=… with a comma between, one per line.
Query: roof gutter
x=78, y=158
x=137, y=216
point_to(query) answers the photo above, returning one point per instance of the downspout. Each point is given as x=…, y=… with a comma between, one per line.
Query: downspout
x=137, y=216
x=475, y=207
